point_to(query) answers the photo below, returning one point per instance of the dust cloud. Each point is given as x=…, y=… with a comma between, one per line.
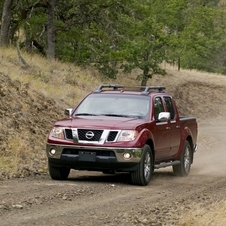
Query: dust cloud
x=210, y=159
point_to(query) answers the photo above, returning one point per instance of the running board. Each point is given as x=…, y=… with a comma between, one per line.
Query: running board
x=165, y=164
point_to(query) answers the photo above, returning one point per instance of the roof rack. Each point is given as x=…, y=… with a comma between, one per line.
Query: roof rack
x=114, y=86
x=147, y=89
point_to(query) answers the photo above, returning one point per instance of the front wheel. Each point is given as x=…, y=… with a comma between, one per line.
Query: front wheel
x=184, y=167
x=58, y=173
x=143, y=174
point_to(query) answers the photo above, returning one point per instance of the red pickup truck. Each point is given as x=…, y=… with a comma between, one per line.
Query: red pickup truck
x=123, y=129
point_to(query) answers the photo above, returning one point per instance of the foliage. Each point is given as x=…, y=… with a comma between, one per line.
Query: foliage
x=110, y=34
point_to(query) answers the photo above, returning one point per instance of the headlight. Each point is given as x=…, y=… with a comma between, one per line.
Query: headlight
x=58, y=132
x=128, y=135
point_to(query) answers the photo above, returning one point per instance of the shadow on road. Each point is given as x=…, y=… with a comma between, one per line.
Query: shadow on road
x=117, y=178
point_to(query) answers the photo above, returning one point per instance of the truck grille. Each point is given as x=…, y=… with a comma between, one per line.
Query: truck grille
x=68, y=134
x=82, y=135
x=112, y=135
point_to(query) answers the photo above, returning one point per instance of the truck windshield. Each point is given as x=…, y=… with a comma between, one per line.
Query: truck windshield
x=115, y=105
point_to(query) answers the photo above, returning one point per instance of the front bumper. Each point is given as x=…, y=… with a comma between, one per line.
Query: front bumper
x=92, y=157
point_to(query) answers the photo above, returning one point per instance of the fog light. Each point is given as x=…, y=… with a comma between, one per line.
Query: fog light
x=52, y=152
x=126, y=155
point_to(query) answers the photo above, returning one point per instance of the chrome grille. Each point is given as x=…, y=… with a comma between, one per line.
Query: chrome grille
x=82, y=134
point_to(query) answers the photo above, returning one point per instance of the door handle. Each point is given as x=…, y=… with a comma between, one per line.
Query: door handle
x=168, y=128
x=177, y=127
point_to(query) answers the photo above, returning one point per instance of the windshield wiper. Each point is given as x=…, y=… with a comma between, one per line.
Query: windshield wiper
x=111, y=115
x=114, y=115
x=125, y=116
x=88, y=114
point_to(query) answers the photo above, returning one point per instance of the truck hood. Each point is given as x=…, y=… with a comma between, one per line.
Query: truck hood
x=100, y=122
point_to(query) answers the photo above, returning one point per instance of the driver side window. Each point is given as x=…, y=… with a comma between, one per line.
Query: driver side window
x=158, y=107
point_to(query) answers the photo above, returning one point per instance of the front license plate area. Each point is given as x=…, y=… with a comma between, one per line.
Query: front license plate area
x=87, y=156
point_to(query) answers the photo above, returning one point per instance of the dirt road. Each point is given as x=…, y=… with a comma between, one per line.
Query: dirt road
x=89, y=198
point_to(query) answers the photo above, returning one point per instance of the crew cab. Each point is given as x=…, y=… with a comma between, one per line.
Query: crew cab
x=123, y=129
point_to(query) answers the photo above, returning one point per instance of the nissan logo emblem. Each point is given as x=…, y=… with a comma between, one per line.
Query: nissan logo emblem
x=89, y=135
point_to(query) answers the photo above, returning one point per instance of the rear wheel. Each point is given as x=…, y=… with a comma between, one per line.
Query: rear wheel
x=143, y=174
x=58, y=173
x=183, y=168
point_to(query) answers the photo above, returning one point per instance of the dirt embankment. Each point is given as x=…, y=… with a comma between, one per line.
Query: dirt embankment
x=25, y=119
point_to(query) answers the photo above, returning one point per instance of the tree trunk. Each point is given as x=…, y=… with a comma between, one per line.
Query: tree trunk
x=178, y=63
x=51, y=30
x=145, y=76
x=5, y=24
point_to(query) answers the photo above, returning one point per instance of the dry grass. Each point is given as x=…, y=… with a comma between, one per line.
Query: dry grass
x=59, y=80
x=53, y=79
x=205, y=216
x=16, y=152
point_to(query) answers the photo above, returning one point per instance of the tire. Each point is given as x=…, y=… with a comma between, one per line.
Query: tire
x=184, y=167
x=58, y=173
x=142, y=175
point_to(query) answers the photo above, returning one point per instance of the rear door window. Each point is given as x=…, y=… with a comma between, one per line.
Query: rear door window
x=170, y=107
x=158, y=107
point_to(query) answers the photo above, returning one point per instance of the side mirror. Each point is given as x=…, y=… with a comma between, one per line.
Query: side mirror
x=68, y=111
x=164, y=116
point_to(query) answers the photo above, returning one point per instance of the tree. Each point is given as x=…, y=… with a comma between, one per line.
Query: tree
x=91, y=33
x=203, y=40
x=144, y=43
x=5, y=24
x=51, y=30
x=131, y=33
x=23, y=16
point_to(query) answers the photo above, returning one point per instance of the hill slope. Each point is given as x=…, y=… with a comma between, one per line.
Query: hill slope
x=33, y=98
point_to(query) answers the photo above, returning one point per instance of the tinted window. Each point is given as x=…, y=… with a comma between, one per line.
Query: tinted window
x=169, y=106
x=158, y=107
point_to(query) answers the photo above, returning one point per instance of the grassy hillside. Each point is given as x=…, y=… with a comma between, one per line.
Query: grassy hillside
x=33, y=98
